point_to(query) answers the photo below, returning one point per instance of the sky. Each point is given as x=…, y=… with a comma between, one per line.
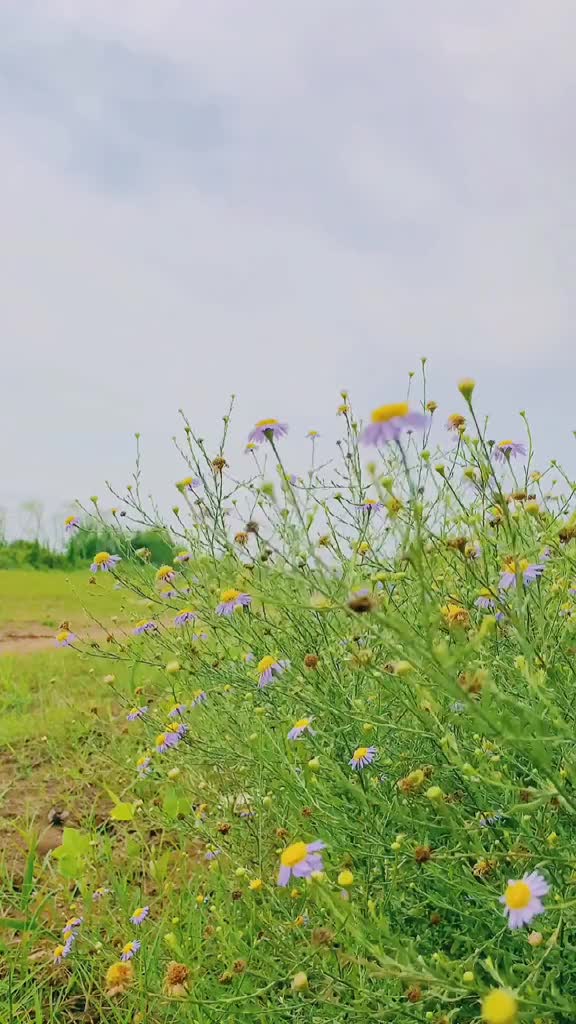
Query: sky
x=276, y=200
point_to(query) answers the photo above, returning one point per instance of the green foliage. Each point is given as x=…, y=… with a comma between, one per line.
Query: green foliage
x=30, y=554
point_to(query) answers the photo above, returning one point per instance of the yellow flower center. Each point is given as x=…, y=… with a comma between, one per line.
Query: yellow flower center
x=266, y=662
x=302, y=723
x=128, y=947
x=517, y=895
x=101, y=557
x=505, y=444
x=137, y=912
x=360, y=753
x=370, y=501
x=68, y=520
x=266, y=423
x=390, y=412
x=229, y=595
x=58, y=951
x=294, y=854
x=164, y=571
x=63, y=635
x=499, y=1007
x=512, y=566
x=161, y=739
x=456, y=420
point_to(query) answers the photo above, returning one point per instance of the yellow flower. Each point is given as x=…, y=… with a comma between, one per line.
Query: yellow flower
x=294, y=854
x=345, y=879
x=466, y=387
x=499, y=1007
x=165, y=572
x=456, y=421
x=455, y=615
x=256, y=885
x=390, y=412
x=119, y=977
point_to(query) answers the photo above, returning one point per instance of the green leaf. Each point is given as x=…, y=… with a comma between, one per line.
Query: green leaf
x=14, y=924
x=28, y=881
x=123, y=812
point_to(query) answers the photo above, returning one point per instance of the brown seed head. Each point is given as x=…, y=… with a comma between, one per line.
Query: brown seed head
x=311, y=661
x=422, y=854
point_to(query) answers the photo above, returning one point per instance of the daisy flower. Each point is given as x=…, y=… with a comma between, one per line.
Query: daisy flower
x=504, y=450
x=99, y=893
x=362, y=757
x=388, y=422
x=186, y=615
x=143, y=766
x=370, y=505
x=521, y=899
x=130, y=949
x=267, y=668
x=71, y=926
x=300, y=727
x=64, y=638
x=144, y=626
x=140, y=915
x=198, y=697
x=136, y=713
x=71, y=523
x=189, y=483
x=230, y=600
x=267, y=430
x=165, y=574
x=63, y=950
x=104, y=562
x=312, y=434
x=183, y=556
x=176, y=710
x=169, y=593
x=527, y=571
x=179, y=729
x=165, y=740
x=486, y=599
x=300, y=860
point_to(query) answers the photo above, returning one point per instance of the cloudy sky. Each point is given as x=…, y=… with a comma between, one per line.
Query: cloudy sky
x=279, y=200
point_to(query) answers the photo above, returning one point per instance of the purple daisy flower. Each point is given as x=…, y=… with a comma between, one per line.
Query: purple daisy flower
x=64, y=638
x=230, y=600
x=166, y=740
x=269, y=667
x=130, y=949
x=189, y=483
x=389, y=421
x=267, y=430
x=503, y=451
x=71, y=523
x=177, y=710
x=300, y=727
x=71, y=926
x=104, y=562
x=63, y=950
x=144, y=626
x=522, y=900
x=485, y=600
x=169, y=593
x=522, y=569
x=165, y=574
x=198, y=697
x=179, y=729
x=212, y=854
x=140, y=915
x=183, y=556
x=99, y=893
x=143, y=766
x=136, y=713
x=300, y=860
x=370, y=505
x=362, y=757
x=186, y=615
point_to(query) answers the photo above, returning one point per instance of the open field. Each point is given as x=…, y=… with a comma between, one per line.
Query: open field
x=328, y=778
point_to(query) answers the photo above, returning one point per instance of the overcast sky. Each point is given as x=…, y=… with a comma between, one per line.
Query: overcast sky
x=278, y=199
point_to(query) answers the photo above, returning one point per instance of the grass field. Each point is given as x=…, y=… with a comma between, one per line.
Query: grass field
x=329, y=779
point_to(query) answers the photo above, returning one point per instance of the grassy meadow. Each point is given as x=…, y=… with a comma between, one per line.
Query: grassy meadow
x=318, y=769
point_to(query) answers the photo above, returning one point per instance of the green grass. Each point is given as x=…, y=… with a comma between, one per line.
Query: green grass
x=472, y=782
x=50, y=597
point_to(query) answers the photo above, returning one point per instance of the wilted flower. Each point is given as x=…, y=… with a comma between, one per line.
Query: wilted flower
x=176, y=980
x=119, y=977
x=389, y=421
x=504, y=450
x=521, y=899
x=362, y=757
x=144, y=626
x=300, y=727
x=267, y=430
x=455, y=615
x=130, y=949
x=71, y=523
x=456, y=422
x=136, y=713
x=64, y=638
x=300, y=860
x=513, y=568
x=140, y=915
x=267, y=668
x=104, y=562
x=232, y=599
x=186, y=615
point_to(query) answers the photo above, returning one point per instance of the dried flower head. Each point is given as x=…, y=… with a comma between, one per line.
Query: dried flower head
x=176, y=980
